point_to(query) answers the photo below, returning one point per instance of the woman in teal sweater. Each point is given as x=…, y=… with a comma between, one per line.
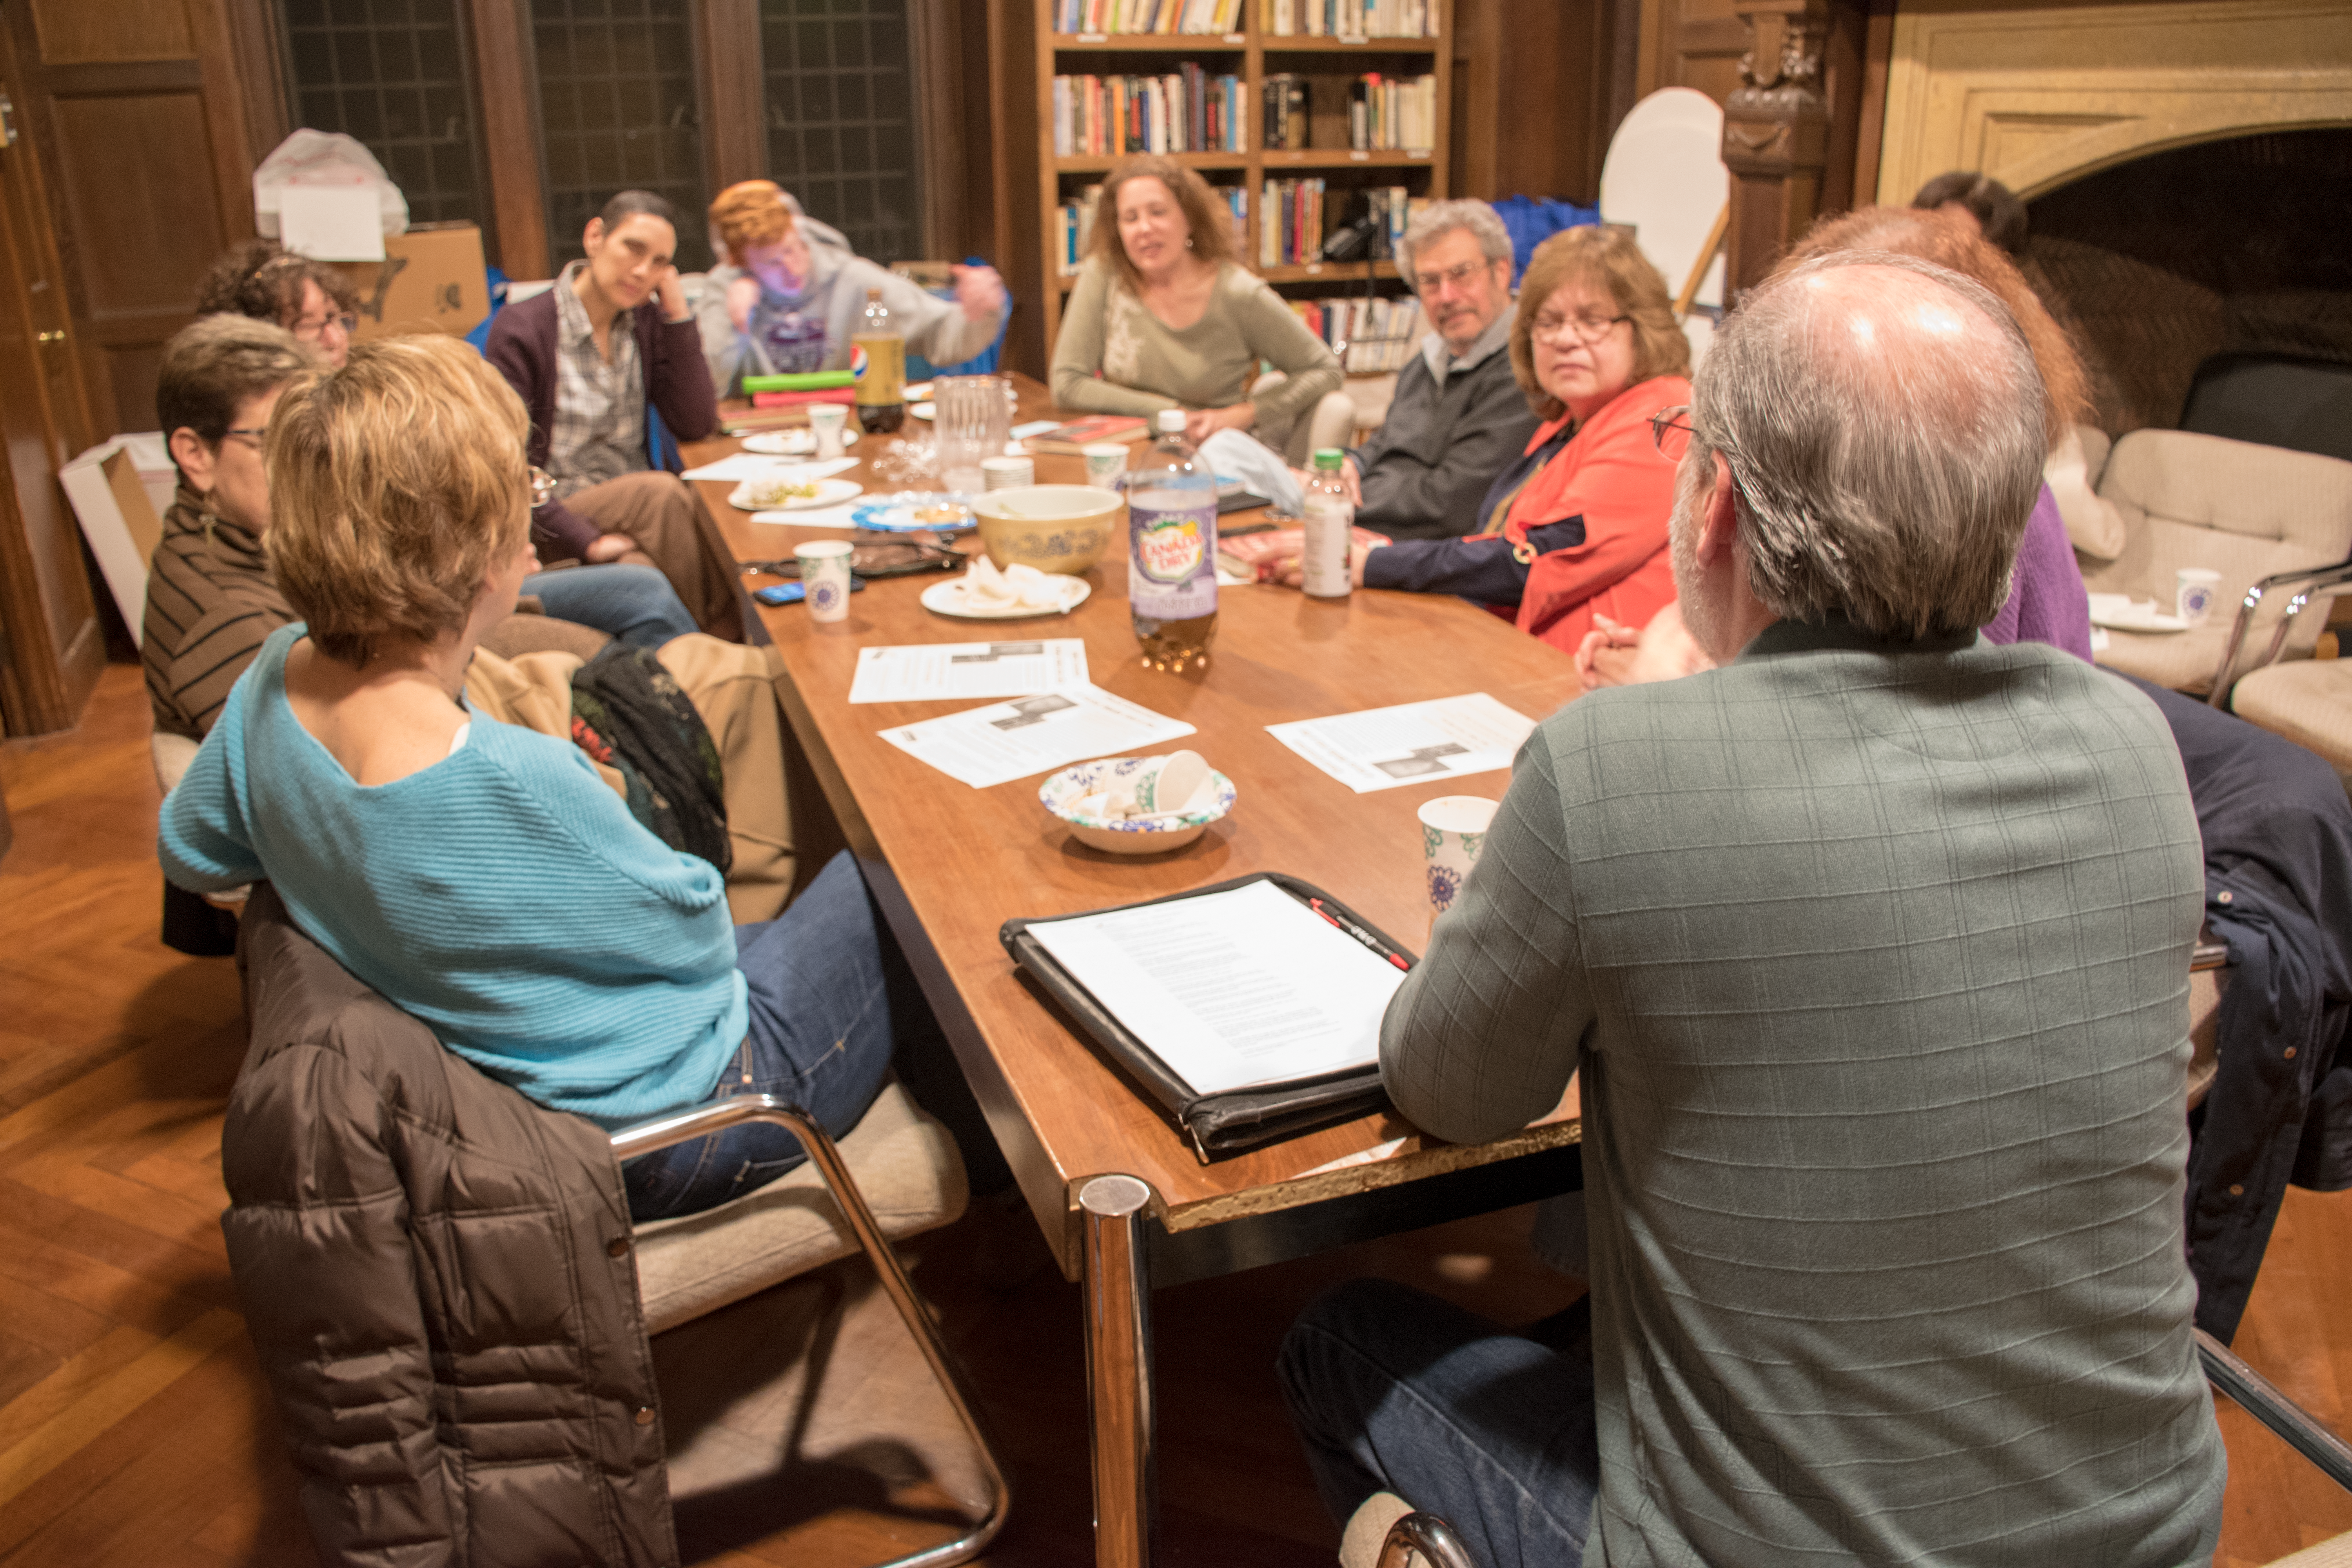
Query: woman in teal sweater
x=478, y=875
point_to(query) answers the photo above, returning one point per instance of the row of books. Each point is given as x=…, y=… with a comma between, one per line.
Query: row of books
x=1187, y=110
x=1392, y=114
x=1286, y=125
x=1074, y=222
x=1371, y=336
x=1349, y=18
x=1146, y=15
x=1293, y=223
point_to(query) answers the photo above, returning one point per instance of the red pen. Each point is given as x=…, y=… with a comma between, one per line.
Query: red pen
x=1361, y=934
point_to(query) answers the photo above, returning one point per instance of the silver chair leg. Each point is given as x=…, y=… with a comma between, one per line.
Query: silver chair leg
x=2263, y=1401
x=1113, y=1210
x=1428, y=1535
x=645, y=1137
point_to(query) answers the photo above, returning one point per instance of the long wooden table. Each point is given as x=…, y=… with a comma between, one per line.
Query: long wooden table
x=1115, y=1186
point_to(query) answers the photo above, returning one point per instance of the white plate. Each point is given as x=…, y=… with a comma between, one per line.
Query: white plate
x=946, y=599
x=829, y=492
x=2119, y=612
x=918, y=389
x=924, y=410
x=791, y=443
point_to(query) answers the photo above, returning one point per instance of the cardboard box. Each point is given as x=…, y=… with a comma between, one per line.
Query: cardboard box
x=431, y=279
x=120, y=490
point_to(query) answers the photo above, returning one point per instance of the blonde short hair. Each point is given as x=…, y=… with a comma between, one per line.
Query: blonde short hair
x=749, y=214
x=395, y=483
x=1607, y=261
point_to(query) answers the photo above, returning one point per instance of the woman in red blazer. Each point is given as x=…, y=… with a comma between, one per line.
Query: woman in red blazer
x=1578, y=524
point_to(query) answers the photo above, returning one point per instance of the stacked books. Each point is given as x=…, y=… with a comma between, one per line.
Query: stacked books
x=1291, y=223
x=1147, y=15
x=1392, y=114
x=1286, y=129
x=1078, y=434
x=1187, y=110
x=1373, y=337
x=1073, y=222
x=1349, y=18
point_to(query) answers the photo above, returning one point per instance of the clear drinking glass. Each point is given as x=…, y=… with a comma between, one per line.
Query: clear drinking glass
x=973, y=419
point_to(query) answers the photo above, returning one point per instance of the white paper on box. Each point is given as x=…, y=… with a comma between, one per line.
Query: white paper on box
x=1007, y=741
x=332, y=223
x=1413, y=742
x=1231, y=990
x=933, y=672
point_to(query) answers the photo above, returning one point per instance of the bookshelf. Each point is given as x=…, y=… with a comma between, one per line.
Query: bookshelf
x=1328, y=65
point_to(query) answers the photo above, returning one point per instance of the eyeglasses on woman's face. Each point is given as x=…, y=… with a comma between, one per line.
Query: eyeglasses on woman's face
x=312, y=329
x=1557, y=329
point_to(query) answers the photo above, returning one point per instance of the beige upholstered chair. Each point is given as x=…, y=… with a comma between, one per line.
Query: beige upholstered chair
x=2244, y=511
x=1331, y=423
x=2309, y=701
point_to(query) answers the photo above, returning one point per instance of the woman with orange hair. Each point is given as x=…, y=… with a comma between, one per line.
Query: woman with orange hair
x=784, y=304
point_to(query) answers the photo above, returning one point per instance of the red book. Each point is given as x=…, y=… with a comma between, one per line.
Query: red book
x=1075, y=436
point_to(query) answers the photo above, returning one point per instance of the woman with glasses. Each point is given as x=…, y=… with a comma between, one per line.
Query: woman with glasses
x=310, y=300
x=1577, y=526
x=1164, y=316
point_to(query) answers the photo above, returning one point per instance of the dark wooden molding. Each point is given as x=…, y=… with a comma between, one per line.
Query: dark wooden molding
x=734, y=96
x=226, y=117
x=511, y=139
x=260, y=63
x=935, y=46
x=1791, y=129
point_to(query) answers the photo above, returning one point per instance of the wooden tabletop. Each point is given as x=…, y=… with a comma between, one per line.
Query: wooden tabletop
x=965, y=860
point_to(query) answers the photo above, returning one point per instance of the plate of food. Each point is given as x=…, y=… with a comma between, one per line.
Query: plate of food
x=800, y=443
x=2122, y=613
x=789, y=491
x=985, y=594
x=917, y=512
x=923, y=410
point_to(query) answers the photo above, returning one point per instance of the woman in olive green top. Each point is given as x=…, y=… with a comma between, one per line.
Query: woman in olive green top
x=1163, y=317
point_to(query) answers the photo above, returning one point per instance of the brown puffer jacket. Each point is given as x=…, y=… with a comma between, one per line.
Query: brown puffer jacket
x=438, y=1277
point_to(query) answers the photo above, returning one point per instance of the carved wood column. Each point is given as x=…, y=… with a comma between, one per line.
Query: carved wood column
x=1776, y=135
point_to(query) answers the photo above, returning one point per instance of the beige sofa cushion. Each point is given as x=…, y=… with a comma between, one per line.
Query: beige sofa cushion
x=2309, y=702
x=905, y=1165
x=2244, y=511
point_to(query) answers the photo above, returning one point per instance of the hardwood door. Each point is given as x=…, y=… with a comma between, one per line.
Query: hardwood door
x=142, y=127
x=51, y=643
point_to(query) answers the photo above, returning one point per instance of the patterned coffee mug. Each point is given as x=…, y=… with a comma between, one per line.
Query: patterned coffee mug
x=1453, y=832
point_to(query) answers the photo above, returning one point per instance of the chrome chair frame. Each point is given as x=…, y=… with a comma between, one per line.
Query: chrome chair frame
x=717, y=1116
x=2254, y=1393
x=2315, y=579
x=1428, y=1535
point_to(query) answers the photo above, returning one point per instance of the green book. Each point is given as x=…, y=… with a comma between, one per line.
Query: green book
x=804, y=381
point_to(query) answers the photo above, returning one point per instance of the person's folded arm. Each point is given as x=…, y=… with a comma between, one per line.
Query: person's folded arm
x=1275, y=333
x=561, y=534
x=728, y=353
x=1077, y=357
x=1484, y=569
x=678, y=381
x=1483, y=1035
x=201, y=836
x=936, y=329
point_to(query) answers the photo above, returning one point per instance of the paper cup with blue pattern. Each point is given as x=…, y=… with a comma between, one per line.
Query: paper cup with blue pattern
x=1453, y=832
x=825, y=568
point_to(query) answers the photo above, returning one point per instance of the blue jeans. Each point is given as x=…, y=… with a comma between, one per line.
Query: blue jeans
x=1392, y=1390
x=635, y=603
x=825, y=1017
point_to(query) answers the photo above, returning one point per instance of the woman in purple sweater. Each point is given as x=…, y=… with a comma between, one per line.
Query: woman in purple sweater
x=2047, y=602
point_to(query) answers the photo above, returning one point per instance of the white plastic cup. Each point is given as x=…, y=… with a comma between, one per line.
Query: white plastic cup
x=826, y=420
x=2193, y=592
x=1008, y=473
x=1105, y=461
x=825, y=570
x=1452, y=833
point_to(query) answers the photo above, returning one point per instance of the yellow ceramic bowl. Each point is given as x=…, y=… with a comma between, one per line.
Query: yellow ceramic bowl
x=1053, y=528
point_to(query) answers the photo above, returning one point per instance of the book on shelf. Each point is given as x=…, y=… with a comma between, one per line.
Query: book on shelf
x=1348, y=18
x=1078, y=434
x=1184, y=111
x=1291, y=223
x=1286, y=128
x=1392, y=114
x=1373, y=337
x=1146, y=15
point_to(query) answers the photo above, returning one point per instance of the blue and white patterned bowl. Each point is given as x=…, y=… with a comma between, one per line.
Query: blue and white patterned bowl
x=1062, y=793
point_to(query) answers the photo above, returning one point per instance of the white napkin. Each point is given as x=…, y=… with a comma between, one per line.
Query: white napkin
x=1259, y=468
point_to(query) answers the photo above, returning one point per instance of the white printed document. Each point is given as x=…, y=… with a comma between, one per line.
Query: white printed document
x=932, y=672
x=1007, y=741
x=1413, y=742
x=1231, y=990
x=740, y=466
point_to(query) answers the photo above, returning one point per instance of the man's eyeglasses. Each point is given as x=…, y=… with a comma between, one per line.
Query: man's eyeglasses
x=542, y=488
x=1671, y=430
x=1454, y=277
x=253, y=433
x=310, y=332
x=1579, y=329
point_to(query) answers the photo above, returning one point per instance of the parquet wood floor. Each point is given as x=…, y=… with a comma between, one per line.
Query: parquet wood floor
x=135, y=1428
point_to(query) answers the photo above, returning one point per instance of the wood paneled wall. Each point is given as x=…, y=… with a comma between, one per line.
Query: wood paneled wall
x=1537, y=95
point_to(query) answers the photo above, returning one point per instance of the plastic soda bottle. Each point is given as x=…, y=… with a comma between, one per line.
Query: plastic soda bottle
x=877, y=355
x=1330, y=520
x=1171, y=555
